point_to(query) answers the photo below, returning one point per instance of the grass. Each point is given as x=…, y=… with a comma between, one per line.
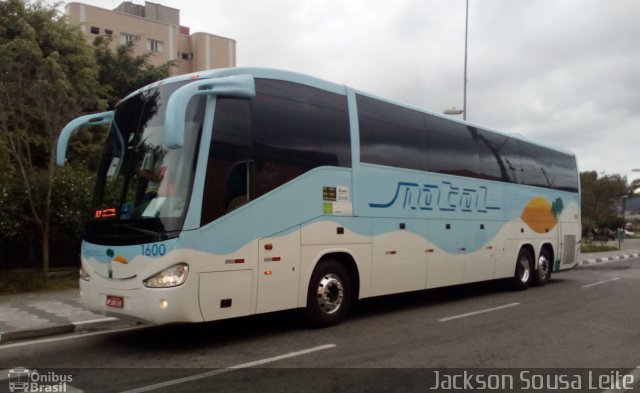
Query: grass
x=14, y=282
x=596, y=248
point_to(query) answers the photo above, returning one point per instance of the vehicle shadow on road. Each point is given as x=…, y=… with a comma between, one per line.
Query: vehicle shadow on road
x=218, y=334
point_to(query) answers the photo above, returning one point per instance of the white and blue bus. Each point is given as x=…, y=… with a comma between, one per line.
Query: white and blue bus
x=242, y=191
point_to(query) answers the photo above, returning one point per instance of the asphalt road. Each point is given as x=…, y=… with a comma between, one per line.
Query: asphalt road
x=585, y=320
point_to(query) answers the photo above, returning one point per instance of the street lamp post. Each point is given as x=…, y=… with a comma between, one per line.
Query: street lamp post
x=466, y=37
x=463, y=111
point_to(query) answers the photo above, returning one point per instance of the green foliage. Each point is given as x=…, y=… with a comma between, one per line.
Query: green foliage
x=48, y=76
x=32, y=281
x=600, y=195
x=122, y=73
x=11, y=223
x=586, y=248
x=72, y=190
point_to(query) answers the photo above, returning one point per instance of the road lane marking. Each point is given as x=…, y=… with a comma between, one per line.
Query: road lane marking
x=469, y=314
x=70, y=337
x=229, y=369
x=635, y=376
x=601, y=282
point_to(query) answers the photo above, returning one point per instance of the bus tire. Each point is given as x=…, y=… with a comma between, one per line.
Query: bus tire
x=329, y=294
x=543, y=273
x=524, y=268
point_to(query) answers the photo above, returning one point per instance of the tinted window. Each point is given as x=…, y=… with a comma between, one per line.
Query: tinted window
x=452, y=147
x=262, y=143
x=230, y=155
x=535, y=165
x=391, y=135
x=297, y=128
x=492, y=164
x=510, y=153
x=565, y=171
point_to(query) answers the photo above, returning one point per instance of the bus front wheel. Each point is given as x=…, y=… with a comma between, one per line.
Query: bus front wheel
x=329, y=294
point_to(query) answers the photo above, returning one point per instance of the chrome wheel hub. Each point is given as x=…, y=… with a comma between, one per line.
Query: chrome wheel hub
x=524, y=270
x=330, y=293
x=544, y=266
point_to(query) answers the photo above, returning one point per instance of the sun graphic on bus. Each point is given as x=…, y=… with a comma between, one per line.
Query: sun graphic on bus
x=540, y=215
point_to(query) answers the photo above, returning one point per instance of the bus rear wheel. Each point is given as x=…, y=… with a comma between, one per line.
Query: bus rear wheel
x=524, y=268
x=329, y=294
x=542, y=275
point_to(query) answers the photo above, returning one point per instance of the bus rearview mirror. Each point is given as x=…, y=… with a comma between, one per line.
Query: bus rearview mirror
x=96, y=119
x=240, y=86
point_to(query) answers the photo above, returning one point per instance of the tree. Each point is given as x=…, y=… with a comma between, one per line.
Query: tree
x=600, y=196
x=47, y=77
x=121, y=73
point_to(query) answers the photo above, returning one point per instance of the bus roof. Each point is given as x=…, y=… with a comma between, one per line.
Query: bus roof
x=268, y=73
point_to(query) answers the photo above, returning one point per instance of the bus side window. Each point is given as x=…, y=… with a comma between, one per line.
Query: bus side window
x=230, y=160
x=239, y=185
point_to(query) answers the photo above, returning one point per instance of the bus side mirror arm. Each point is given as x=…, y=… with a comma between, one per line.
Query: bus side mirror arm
x=96, y=119
x=240, y=86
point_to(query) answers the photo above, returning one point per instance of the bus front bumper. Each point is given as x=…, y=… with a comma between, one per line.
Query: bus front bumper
x=151, y=305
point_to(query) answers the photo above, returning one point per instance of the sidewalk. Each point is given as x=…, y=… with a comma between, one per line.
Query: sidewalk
x=630, y=249
x=31, y=315
x=41, y=314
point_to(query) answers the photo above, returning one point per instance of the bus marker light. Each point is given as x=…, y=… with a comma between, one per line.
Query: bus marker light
x=164, y=304
x=268, y=272
x=391, y=252
x=272, y=259
x=268, y=246
x=234, y=261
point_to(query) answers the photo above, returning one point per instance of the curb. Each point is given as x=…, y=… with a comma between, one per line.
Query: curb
x=609, y=258
x=73, y=327
x=35, y=333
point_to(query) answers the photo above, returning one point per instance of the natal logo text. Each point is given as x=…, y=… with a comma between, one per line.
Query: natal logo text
x=444, y=197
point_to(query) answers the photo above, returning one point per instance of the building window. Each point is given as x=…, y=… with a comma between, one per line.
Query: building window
x=154, y=45
x=127, y=38
x=187, y=56
x=95, y=30
x=108, y=32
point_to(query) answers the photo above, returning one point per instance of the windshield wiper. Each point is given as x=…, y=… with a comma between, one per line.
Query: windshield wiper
x=156, y=235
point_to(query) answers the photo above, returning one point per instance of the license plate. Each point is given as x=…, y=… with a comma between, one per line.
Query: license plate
x=115, y=301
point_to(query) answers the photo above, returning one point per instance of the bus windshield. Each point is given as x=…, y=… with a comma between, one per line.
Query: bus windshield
x=143, y=187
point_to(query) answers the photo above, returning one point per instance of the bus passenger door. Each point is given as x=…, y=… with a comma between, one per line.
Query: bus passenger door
x=279, y=272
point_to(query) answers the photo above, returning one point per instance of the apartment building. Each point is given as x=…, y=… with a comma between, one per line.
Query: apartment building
x=155, y=28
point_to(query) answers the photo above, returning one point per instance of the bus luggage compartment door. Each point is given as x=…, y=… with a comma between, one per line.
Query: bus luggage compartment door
x=225, y=294
x=279, y=272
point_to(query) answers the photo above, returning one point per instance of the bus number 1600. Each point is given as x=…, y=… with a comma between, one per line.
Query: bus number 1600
x=153, y=250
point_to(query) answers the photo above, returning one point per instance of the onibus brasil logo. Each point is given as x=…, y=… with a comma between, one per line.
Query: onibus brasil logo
x=24, y=380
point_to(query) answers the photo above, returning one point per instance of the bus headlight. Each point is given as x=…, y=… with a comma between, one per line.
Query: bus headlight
x=171, y=277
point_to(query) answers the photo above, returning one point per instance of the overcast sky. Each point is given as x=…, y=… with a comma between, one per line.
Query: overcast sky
x=564, y=72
